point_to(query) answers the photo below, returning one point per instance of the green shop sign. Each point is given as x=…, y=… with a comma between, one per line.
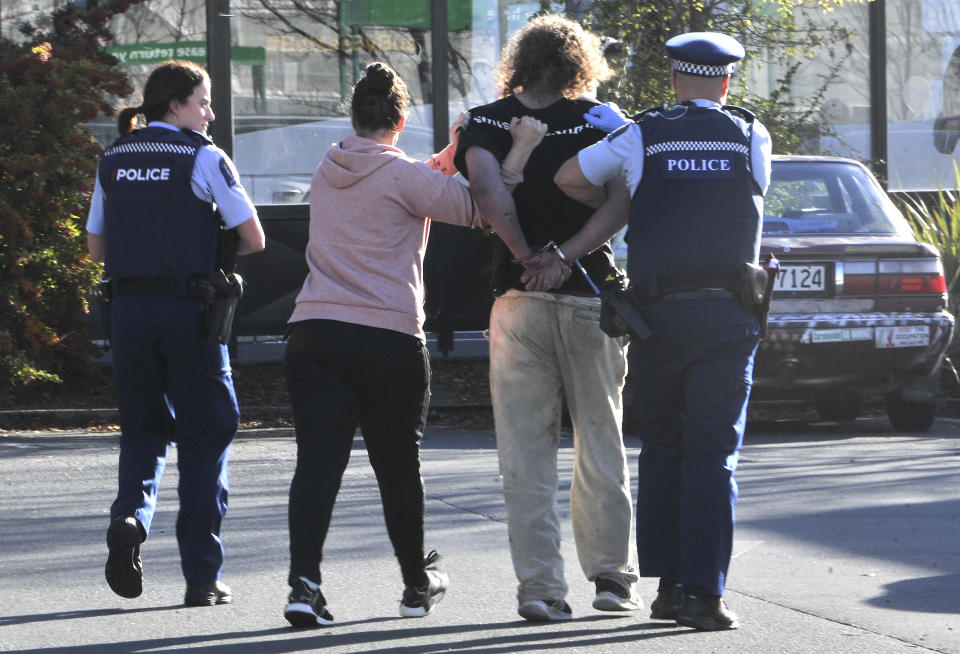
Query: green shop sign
x=413, y=14
x=139, y=54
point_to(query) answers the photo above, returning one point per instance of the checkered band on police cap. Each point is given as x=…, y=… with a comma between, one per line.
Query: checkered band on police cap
x=707, y=54
x=701, y=70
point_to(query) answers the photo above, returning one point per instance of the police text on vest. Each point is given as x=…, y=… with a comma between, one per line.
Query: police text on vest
x=143, y=174
x=697, y=165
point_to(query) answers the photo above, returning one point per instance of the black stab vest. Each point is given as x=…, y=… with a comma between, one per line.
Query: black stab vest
x=697, y=208
x=155, y=226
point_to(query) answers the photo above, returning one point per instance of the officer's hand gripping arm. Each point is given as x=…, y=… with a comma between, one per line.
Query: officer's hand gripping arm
x=607, y=117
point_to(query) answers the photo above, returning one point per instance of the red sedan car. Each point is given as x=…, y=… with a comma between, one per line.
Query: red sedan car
x=859, y=305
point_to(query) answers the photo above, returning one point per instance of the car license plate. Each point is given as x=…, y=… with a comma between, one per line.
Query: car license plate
x=905, y=336
x=801, y=278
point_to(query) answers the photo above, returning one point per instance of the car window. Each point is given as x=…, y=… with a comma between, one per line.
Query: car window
x=824, y=197
x=276, y=164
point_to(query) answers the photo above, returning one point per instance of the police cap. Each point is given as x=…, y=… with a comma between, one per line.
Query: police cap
x=707, y=54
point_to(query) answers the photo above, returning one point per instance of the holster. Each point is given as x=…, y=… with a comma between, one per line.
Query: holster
x=620, y=313
x=219, y=294
x=103, y=292
x=752, y=288
x=755, y=288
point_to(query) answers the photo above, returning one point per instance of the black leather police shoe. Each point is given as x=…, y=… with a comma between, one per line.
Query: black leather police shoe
x=667, y=604
x=124, y=569
x=705, y=613
x=208, y=594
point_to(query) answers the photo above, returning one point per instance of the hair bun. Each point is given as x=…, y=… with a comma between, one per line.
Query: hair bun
x=380, y=77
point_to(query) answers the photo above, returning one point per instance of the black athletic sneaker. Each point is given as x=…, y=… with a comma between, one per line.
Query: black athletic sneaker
x=611, y=596
x=306, y=606
x=417, y=602
x=124, y=569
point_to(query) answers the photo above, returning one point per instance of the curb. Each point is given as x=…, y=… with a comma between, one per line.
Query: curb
x=13, y=419
x=16, y=419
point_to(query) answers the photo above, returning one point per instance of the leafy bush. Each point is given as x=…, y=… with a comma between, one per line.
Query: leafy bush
x=51, y=84
x=936, y=220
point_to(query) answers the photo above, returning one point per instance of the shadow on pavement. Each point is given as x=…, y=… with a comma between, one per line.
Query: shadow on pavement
x=927, y=594
x=73, y=615
x=525, y=636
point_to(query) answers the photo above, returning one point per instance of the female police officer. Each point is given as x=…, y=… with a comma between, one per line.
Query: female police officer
x=162, y=196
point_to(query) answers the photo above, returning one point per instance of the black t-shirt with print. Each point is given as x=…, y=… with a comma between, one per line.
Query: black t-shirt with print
x=543, y=210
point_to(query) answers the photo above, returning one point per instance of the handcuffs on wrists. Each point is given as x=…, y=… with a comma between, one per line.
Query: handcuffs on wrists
x=564, y=261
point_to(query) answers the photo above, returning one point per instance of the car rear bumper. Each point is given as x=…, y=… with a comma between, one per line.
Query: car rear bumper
x=803, y=354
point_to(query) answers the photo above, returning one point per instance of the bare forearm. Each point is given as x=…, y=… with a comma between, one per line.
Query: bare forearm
x=252, y=238
x=498, y=209
x=96, y=246
x=511, y=172
x=494, y=200
x=574, y=184
x=518, y=157
x=526, y=133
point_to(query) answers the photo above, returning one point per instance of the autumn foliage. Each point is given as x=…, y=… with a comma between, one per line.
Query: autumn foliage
x=52, y=83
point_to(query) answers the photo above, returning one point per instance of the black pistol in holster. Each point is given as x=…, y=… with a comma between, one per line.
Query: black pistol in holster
x=103, y=292
x=755, y=288
x=620, y=315
x=220, y=294
x=221, y=291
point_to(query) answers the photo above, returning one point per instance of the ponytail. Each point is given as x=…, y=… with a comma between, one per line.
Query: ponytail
x=127, y=120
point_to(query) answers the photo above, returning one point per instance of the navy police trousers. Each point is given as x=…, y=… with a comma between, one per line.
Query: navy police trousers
x=174, y=386
x=691, y=383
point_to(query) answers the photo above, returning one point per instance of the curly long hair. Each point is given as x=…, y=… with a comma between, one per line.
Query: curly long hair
x=554, y=52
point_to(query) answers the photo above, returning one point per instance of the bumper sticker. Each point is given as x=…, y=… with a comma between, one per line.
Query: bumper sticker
x=839, y=335
x=904, y=336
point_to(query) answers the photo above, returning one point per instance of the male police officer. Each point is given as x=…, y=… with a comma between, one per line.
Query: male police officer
x=696, y=173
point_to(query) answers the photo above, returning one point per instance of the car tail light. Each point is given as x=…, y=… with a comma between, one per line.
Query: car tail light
x=894, y=276
x=924, y=276
x=859, y=277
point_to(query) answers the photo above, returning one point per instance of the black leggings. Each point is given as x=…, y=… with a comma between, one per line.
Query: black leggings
x=341, y=376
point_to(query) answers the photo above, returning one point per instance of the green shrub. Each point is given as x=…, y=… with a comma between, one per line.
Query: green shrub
x=51, y=84
x=936, y=220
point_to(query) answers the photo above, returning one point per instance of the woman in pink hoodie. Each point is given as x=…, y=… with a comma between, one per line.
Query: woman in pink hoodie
x=356, y=354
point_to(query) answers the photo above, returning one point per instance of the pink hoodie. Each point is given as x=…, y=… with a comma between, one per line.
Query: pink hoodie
x=369, y=208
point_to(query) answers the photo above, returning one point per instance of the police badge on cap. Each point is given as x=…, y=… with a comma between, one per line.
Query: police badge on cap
x=707, y=54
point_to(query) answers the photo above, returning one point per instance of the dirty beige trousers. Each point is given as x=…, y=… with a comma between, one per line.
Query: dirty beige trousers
x=544, y=348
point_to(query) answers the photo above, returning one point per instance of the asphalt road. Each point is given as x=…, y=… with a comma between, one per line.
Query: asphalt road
x=848, y=540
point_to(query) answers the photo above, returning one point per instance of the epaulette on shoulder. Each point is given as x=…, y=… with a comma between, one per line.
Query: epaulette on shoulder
x=197, y=136
x=746, y=114
x=640, y=115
